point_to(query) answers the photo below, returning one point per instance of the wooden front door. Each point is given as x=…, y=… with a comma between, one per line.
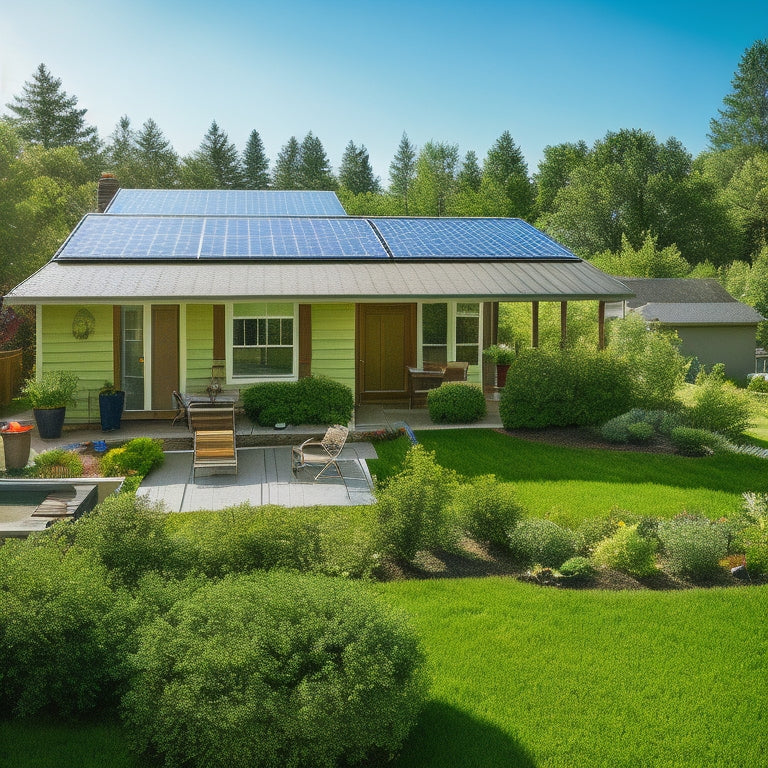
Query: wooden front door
x=165, y=355
x=386, y=344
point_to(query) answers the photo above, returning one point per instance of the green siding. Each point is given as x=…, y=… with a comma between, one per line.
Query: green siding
x=474, y=374
x=199, y=346
x=90, y=359
x=333, y=342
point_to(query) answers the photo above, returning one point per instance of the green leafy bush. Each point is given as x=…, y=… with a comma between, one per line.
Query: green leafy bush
x=758, y=384
x=137, y=457
x=548, y=387
x=59, y=644
x=593, y=530
x=413, y=506
x=693, y=546
x=456, y=403
x=754, y=541
x=626, y=551
x=640, y=432
x=54, y=389
x=488, y=509
x=311, y=400
x=697, y=442
x=58, y=463
x=718, y=405
x=540, y=541
x=275, y=669
x=578, y=569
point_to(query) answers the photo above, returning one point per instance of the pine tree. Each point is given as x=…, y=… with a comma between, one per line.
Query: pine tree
x=121, y=147
x=314, y=166
x=506, y=168
x=470, y=176
x=255, y=163
x=286, y=172
x=156, y=160
x=355, y=172
x=216, y=164
x=46, y=115
x=402, y=170
x=744, y=119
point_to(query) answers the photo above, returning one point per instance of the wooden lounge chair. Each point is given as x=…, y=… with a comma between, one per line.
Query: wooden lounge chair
x=323, y=451
x=215, y=452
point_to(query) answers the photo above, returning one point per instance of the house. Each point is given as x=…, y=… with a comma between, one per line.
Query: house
x=712, y=325
x=162, y=284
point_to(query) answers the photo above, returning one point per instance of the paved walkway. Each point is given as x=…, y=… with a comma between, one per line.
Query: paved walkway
x=264, y=477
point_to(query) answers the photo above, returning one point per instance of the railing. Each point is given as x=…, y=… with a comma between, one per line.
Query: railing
x=10, y=375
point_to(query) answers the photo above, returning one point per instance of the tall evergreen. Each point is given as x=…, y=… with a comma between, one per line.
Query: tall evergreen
x=45, y=114
x=157, y=161
x=286, y=171
x=505, y=167
x=255, y=163
x=402, y=170
x=470, y=176
x=216, y=164
x=314, y=166
x=355, y=172
x=121, y=146
x=744, y=119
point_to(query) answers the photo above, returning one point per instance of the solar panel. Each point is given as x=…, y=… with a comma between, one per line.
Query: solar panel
x=171, y=238
x=454, y=238
x=225, y=202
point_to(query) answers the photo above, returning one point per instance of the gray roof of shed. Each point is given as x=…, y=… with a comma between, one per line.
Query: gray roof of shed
x=674, y=290
x=58, y=283
x=701, y=313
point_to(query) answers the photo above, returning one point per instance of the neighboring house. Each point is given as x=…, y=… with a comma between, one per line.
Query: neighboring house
x=278, y=285
x=713, y=326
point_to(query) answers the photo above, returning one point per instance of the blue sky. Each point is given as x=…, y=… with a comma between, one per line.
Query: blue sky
x=461, y=72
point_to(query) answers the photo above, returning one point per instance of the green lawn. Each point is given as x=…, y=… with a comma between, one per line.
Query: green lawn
x=574, y=483
x=528, y=676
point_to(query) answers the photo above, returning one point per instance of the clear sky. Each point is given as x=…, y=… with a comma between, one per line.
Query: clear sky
x=461, y=72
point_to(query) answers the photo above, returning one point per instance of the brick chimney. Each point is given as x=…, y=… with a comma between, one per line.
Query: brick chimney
x=108, y=186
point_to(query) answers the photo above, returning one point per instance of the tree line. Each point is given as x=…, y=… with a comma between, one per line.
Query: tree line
x=632, y=204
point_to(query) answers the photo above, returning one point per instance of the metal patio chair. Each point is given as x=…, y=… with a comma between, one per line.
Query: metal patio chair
x=325, y=451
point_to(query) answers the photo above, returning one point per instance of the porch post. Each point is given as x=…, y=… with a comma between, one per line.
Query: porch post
x=563, y=324
x=534, y=324
x=601, y=325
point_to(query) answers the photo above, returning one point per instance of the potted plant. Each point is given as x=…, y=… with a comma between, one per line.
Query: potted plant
x=111, y=404
x=49, y=397
x=503, y=356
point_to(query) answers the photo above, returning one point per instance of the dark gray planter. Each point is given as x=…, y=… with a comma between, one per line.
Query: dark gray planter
x=50, y=422
x=111, y=410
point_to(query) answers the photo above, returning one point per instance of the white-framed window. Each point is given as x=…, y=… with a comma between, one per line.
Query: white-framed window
x=264, y=343
x=450, y=331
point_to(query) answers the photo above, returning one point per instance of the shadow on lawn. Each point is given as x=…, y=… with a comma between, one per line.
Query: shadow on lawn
x=445, y=736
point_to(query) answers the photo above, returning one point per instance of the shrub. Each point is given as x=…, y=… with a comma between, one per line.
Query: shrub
x=640, y=432
x=137, y=457
x=758, y=384
x=626, y=551
x=58, y=463
x=54, y=389
x=311, y=400
x=59, y=645
x=534, y=540
x=718, y=405
x=456, y=403
x=275, y=669
x=754, y=541
x=578, y=569
x=563, y=388
x=412, y=507
x=621, y=428
x=697, y=442
x=693, y=546
x=592, y=531
x=488, y=510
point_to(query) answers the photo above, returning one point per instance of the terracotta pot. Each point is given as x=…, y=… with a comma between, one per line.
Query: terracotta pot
x=501, y=375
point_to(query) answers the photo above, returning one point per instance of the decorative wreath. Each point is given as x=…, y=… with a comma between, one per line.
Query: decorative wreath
x=83, y=324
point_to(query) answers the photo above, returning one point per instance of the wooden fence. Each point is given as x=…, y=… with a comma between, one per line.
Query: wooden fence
x=10, y=375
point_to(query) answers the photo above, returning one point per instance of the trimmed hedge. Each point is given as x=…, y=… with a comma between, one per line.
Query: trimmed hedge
x=564, y=388
x=456, y=403
x=275, y=669
x=311, y=400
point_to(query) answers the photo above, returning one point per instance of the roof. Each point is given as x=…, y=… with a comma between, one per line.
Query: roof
x=62, y=283
x=701, y=313
x=673, y=290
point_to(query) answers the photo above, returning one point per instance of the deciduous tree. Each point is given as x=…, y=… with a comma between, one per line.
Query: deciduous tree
x=435, y=181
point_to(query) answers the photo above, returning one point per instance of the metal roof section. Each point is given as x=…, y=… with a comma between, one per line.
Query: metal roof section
x=384, y=280
x=675, y=290
x=701, y=313
x=467, y=238
x=225, y=202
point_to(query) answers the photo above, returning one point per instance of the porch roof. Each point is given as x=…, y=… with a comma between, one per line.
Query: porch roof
x=67, y=283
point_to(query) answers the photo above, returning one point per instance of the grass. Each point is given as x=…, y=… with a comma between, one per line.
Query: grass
x=525, y=676
x=571, y=484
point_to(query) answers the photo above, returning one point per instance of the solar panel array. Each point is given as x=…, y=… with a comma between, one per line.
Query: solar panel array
x=454, y=238
x=225, y=202
x=178, y=238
